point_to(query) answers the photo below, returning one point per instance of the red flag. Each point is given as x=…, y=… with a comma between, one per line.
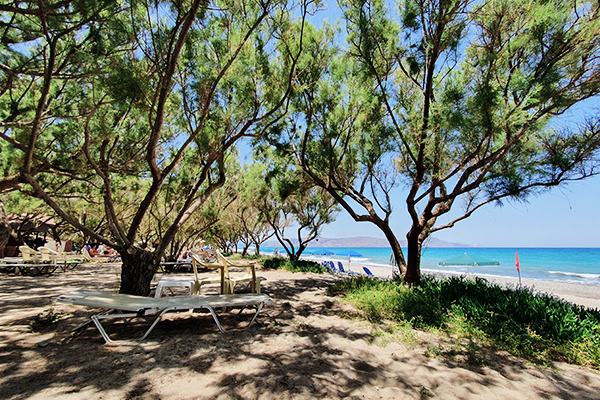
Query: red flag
x=518, y=266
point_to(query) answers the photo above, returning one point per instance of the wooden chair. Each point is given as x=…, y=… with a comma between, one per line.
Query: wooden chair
x=197, y=261
x=250, y=275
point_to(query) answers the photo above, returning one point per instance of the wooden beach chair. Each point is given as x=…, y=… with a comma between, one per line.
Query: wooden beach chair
x=231, y=281
x=57, y=258
x=29, y=254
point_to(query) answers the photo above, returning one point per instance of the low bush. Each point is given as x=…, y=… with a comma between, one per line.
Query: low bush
x=44, y=320
x=293, y=266
x=537, y=327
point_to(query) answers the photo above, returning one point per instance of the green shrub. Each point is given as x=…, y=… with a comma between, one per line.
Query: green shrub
x=273, y=263
x=538, y=327
x=43, y=320
x=294, y=266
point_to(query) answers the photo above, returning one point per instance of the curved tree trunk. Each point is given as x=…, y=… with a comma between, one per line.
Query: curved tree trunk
x=415, y=238
x=299, y=252
x=395, y=245
x=137, y=271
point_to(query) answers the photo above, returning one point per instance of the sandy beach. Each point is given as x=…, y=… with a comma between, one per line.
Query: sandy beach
x=305, y=345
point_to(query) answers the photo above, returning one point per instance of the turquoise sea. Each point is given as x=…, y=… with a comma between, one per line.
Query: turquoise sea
x=575, y=265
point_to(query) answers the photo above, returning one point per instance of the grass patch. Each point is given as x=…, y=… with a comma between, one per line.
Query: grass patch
x=293, y=266
x=539, y=328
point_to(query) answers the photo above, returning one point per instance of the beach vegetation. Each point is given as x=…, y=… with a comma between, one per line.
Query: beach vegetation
x=478, y=314
x=293, y=265
x=45, y=319
x=287, y=197
x=444, y=107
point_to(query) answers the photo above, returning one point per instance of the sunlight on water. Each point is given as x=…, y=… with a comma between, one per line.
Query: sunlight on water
x=576, y=265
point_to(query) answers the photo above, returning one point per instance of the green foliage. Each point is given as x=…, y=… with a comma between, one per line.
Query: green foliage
x=535, y=326
x=453, y=102
x=294, y=266
x=43, y=320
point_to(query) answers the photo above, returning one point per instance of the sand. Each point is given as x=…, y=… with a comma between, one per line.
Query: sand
x=304, y=346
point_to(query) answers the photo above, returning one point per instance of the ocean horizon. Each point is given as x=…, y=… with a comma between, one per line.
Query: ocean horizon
x=572, y=265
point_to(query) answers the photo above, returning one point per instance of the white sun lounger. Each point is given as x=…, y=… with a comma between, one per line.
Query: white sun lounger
x=129, y=306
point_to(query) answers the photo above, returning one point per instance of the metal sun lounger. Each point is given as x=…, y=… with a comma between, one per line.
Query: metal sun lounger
x=130, y=306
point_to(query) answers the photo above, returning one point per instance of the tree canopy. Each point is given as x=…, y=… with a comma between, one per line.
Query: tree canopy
x=118, y=105
x=130, y=111
x=446, y=101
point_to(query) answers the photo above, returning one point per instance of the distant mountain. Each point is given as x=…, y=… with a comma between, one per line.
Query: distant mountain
x=365, y=241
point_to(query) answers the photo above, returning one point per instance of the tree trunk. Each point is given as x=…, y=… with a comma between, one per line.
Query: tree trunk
x=5, y=229
x=413, y=267
x=257, y=249
x=299, y=252
x=396, y=248
x=139, y=267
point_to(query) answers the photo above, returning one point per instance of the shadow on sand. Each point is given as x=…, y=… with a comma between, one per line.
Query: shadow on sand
x=299, y=347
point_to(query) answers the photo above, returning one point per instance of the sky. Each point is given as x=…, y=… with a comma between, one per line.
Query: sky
x=567, y=216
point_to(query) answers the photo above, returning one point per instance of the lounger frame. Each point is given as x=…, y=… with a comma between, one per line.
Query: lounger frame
x=128, y=306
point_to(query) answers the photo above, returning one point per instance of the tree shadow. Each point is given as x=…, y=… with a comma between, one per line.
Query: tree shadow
x=298, y=347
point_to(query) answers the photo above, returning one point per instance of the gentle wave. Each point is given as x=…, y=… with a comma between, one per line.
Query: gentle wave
x=576, y=274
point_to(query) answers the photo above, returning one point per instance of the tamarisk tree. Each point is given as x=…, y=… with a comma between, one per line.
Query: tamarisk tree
x=452, y=103
x=102, y=100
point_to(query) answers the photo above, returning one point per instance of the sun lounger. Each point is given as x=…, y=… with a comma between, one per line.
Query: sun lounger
x=370, y=274
x=88, y=257
x=187, y=282
x=130, y=306
x=341, y=268
x=332, y=267
x=328, y=266
x=57, y=258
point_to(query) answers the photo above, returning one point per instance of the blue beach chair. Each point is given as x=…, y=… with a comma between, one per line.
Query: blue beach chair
x=332, y=267
x=341, y=268
x=370, y=274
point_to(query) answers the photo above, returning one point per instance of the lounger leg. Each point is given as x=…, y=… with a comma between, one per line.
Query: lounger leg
x=216, y=318
x=260, y=306
x=97, y=318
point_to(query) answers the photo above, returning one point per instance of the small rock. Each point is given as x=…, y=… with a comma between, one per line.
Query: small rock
x=43, y=344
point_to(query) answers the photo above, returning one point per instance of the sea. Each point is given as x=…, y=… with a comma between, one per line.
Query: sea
x=573, y=265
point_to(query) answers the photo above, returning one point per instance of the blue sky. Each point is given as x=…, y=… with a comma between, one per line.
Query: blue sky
x=564, y=217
